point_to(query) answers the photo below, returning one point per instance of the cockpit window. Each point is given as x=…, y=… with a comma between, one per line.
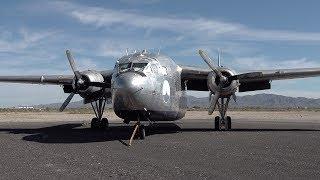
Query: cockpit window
x=124, y=67
x=139, y=66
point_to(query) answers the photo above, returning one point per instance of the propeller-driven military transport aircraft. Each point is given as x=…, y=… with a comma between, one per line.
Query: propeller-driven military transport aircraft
x=152, y=87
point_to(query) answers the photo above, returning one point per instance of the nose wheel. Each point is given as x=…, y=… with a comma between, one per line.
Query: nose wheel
x=140, y=129
x=98, y=122
x=142, y=132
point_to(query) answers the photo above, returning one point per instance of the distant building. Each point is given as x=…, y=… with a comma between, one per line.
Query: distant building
x=26, y=107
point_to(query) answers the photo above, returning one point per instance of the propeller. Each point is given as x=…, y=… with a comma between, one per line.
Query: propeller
x=208, y=60
x=73, y=65
x=66, y=102
x=78, y=81
x=222, y=79
x=213, y=103
x=234, y=97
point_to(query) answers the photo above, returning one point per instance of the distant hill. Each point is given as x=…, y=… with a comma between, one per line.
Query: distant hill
x=261, y=101
x=258, y=101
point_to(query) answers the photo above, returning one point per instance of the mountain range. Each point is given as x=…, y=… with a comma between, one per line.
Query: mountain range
x=261, y=101
x=247, y=101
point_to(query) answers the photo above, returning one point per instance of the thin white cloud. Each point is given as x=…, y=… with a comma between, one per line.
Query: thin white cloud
x=193, y=27
x=86, y=63
x=140, y=1
x=20, y=40
x=265, y=63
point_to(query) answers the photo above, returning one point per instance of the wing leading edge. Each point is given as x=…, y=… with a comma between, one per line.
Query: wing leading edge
x=280, y=74
x=50, y=79
x=196, y=78
x=45, y=79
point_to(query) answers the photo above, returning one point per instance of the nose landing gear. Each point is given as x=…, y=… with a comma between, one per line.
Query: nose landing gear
x=140, y=128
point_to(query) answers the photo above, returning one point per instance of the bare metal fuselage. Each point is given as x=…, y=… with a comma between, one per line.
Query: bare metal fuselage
x=155, y=90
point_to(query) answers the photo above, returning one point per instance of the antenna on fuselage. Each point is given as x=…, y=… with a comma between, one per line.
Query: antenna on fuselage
x=219, y=57
x=159, y=50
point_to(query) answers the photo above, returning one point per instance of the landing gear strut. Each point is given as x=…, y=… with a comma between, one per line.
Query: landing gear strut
x=98, y=107
x=223, y=122
x=141, y=130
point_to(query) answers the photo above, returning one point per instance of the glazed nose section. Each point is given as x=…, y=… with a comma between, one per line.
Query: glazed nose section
x=127, y=89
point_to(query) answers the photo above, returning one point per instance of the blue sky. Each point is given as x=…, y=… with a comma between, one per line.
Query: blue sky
x=251, y=34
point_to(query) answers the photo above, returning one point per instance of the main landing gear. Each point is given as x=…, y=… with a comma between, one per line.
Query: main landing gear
x=98, y=107
x=223, y=122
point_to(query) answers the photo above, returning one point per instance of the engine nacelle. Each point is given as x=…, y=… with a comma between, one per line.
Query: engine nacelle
x=90, y=76
x=228, y=89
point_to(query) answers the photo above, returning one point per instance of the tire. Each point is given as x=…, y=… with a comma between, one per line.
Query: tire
x=104, y=124
x=142, y=132
x=94, y=123
x=216, y=123
x=229, y=122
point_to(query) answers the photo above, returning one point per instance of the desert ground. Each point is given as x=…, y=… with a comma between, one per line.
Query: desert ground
x=279, y=116
x=261, y=145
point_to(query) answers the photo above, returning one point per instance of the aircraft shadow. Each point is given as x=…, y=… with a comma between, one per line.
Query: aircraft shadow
x=75, y=133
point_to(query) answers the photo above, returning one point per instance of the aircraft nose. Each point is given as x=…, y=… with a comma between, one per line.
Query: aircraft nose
x=129, y=82
x=126, y=90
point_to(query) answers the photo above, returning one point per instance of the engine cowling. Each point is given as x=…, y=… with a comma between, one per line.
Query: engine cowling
x=226, y=89
x=90, y=76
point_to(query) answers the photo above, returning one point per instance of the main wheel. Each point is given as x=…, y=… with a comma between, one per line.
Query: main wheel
x=104, y=124
x=142, y=132
x=229, y=122
x=217, y=123
x=94, y=123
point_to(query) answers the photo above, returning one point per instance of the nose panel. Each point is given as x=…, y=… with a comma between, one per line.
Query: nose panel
x=127, y=88
x=129, y=82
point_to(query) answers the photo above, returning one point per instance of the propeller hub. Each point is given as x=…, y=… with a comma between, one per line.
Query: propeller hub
x=80, y=82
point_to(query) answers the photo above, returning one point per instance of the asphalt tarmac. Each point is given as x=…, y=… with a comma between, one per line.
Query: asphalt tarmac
x=187, y=149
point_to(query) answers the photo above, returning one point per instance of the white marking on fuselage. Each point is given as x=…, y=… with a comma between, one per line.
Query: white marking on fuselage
x=42, y=79
x=166, y=91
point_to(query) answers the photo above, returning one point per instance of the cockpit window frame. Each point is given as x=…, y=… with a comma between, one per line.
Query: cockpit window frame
x=124, y=70
x=139, y=68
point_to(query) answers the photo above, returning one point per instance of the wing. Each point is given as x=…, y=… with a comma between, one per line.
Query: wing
x=280, y=74
x=196, y=78
x=44, y=79
x=260, y=80
x=50, y=79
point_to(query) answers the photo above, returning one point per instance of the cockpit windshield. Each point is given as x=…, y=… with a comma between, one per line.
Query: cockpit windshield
x=139, y=66
x=124, y=67
x=132, y=66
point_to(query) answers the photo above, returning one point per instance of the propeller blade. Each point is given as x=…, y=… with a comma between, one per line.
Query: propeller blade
x=210, y=95
x=208, y=60
x=213, y=103
x=234, y=97
x=73, y=65
x=66, y=102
